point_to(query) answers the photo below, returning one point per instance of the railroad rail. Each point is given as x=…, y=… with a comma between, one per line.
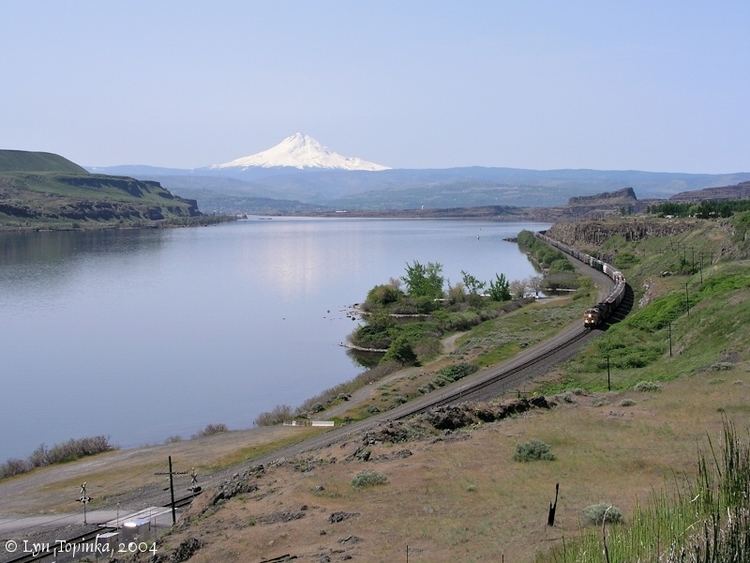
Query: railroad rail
x=460, y=394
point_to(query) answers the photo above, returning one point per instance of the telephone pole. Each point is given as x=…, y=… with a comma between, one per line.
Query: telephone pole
x=609, y=379
x=171, y=474
x=670, y=339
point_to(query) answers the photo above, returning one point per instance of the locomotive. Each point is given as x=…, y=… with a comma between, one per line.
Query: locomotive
x=599, y=313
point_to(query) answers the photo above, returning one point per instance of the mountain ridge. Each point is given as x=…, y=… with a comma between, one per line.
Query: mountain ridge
x=300, y=151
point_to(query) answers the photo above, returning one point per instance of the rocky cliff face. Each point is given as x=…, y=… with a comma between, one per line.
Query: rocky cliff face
x=587, y=233
x=625, y=196
x=603, y=205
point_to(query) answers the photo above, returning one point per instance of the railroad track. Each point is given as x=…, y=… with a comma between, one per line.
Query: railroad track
x=460, y=394
x=86, y=537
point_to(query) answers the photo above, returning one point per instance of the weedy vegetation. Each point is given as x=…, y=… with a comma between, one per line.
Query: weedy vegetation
x=64, y=452
x=534, y=450
x=367, y=479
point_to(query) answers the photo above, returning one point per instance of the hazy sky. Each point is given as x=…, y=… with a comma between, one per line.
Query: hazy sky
x=657, y=85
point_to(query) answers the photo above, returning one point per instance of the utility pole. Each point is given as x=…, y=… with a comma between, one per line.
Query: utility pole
x=670, y=339
x=701, y=268
x=687, y=299
x=692, y=250
x=171, y=474
x=553, y=507
x=609, y=379
x=84, y=499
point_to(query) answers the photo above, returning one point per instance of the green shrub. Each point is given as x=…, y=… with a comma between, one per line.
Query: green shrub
x=59, y=453
x=211, y=429
x=457, y=371
x=627, y=403
x=277, y=415
x=401, y=351
x=533, y=450
x=382, y=295
x=647, y=387
x=368, y=478
x=448, y=375
x=626, y=260
x=599, y=513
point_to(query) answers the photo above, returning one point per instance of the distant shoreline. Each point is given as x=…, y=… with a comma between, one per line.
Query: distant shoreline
x=200, y=221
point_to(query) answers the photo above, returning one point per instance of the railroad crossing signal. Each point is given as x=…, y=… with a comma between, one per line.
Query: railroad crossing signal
x=171, y=486
x=194, y=486
x=84, y=499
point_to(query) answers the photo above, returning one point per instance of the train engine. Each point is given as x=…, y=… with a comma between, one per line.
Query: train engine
x=592, y=317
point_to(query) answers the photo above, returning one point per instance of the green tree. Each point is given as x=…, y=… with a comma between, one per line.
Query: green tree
x=500, y=288
x=424, y=281
x=472, y=284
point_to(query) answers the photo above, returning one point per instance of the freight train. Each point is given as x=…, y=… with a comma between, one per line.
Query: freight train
x=600, y=312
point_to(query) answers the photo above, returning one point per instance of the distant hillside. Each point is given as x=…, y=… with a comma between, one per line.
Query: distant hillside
x=44, y=190
x=738, y=191
x=26, y=161
x=412, y=189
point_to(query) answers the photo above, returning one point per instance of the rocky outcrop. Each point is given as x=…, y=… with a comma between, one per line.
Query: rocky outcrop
x=182, y=552
x=625, y=196
x=449, y=418
x=460, y=416
x=40, y=200
x=588, y=233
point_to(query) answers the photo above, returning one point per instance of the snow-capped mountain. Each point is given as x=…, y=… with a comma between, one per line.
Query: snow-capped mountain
x=301, y=151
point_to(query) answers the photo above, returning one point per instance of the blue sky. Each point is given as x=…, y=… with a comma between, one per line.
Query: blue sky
x=600, y=84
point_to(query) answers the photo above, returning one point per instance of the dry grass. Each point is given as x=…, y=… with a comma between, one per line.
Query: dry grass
x=54, y=489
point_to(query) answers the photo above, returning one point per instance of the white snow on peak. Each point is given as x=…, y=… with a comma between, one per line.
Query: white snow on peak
x=301, y=151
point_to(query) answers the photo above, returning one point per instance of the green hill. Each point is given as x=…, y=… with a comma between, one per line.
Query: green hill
x=44, y=190
x=27, y=161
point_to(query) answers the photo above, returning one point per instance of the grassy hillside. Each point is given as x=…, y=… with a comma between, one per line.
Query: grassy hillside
x=43, y=190
x=27, y=161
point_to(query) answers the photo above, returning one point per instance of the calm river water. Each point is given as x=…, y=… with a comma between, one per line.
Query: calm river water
x=145, y=334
